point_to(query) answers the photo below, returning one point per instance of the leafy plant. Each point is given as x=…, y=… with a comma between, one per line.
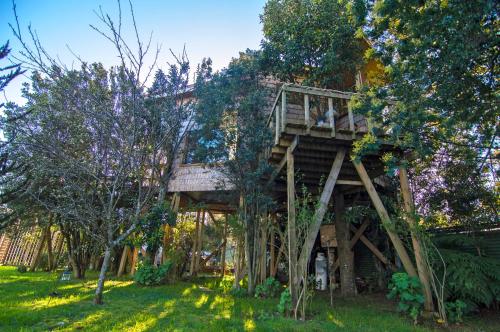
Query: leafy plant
x=149, y=275
x=455, y=311
x=270, y=288
x=285, y=304
x=408, y=290
x=22, y=268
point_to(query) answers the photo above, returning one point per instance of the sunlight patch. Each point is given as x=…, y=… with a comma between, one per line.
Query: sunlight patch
x=249, y=325
x=337, y=322
x=201, y=301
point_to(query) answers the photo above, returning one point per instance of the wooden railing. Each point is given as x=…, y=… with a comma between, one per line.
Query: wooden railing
x=281, y=113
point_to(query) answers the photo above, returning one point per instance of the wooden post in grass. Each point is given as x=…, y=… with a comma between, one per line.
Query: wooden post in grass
x=293, y=281
x=346, y=256
x=38, y=251
x=194, y=250
x=134, y=260
x=423, y=271
x=123, y=261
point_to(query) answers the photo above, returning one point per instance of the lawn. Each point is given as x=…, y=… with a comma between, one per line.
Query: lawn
x=26, y=305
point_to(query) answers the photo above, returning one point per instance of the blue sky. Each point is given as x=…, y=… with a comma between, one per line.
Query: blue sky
x=218, y=29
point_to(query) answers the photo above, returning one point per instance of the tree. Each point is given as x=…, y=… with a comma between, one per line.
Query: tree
x=231, y=134
x=318, y=43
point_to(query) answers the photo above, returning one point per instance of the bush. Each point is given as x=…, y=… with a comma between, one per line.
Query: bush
x=455, y=311
x=408, y=290
x=148, y=274
x=270, y=288
x=285, y=305
x=472, y=279
x=22, y=268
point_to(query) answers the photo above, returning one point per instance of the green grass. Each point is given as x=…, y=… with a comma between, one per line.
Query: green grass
x=25, y=305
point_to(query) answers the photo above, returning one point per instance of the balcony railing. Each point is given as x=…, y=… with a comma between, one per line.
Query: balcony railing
x=314, y=111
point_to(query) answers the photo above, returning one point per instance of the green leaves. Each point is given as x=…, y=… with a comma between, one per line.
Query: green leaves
x=408, y=290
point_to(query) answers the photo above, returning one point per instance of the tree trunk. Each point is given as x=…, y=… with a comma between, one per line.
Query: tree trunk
x=346, y=256
x=223, y=253
x=423, y=271
x=200, y=242
x=102, y=276
x=50, y=254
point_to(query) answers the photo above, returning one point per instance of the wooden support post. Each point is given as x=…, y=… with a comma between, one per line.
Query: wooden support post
x=283, y=110
x=272, y=252
x=292, y=231
x=200, y=242
x=346, y=256
x=277, y=133
x=351, y=121
x=331, y=272
x=386, y=221
x=263, y=253
x=307, y=114
x=321, y=210
x=134, y=261
x=123, y=261
x=223, y=254
x=331, y=116
x=192, y=270
x=422, y=268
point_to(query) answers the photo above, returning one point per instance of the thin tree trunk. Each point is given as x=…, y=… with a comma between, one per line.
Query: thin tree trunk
x=194, y=250
x=50, y=254
x=223, y=254
x=102, y=276
x=293, y=278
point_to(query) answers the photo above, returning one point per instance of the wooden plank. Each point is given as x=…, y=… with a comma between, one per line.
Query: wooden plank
x=134, y=261
x=283, y=161
x=283, y=111
x=277, y=132
x=292, y=230
x=321, y=210
x=307, y=113
x=318, y=91
x=386, y=221
x=423, y=272
x=123, y=261
x=351, y=121
x=331, y=116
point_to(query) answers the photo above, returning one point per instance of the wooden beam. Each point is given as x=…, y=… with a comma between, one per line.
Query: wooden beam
x=423, y=271
x=134, y=260
x=292, y=231
x=277, y=132
x=283, y=161
x=386, y=221
x=283, y=111
x=123, y=261
x=321, y=210
x=351, y=121
x=331, y=116
x=307, y=114
x=317, y=91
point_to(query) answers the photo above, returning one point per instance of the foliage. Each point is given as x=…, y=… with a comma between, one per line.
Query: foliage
x=471, y=278
x=230, y=135
x=313, y=40
x=148, y=274
x=455, y=311
x=151, y=230
x=285, y=304
x=22, y=268
x=269, y=288
x=408, y=290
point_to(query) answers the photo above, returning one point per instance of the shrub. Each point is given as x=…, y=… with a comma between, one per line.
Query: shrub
x=148, y=274
x=285, y=304
x=472, y=279
x=270, y=288
x=455, y=311
x=22, y=268
x=408, y=290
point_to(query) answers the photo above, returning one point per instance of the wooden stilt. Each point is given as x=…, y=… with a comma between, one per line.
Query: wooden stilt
x=422, y=268
x=123, y=261
x=192, y=270
x=386, y=221
x=134, y=261
x=223, y=253
x=292, y=231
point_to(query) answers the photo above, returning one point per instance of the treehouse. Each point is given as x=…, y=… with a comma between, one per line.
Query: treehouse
x=314, y=131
